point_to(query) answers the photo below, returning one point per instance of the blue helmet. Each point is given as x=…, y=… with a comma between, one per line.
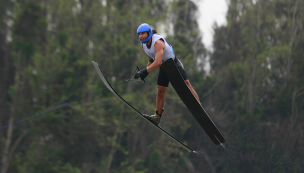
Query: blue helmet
x=145, y=28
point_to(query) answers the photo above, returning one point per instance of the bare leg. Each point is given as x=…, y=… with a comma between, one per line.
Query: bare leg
x=160, y=99
x=192, y=90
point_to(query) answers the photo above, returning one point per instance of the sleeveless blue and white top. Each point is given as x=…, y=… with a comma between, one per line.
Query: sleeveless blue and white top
x=168, y=52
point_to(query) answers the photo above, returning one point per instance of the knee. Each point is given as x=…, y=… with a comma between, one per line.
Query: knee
x=161, y=91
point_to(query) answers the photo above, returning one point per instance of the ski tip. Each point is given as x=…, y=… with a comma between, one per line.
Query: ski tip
x=223, y=145
x=195, y=152
x=219, y=142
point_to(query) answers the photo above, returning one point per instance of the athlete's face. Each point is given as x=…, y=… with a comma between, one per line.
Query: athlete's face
x=143, y=35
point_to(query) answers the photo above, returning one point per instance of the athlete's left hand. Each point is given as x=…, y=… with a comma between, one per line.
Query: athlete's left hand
x=142, y=74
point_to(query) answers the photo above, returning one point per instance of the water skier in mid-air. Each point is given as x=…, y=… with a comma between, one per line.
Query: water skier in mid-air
x=158, y=50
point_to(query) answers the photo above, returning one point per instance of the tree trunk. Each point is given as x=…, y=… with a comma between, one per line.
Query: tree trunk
x=253, y=62
x=117, y=138
x=293, y=32
x=5, y=155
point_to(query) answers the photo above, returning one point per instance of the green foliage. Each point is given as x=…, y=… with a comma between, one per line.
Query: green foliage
x=253, y=59
x=253, y=91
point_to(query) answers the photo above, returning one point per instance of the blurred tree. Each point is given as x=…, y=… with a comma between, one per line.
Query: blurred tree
x=5, y=72
x=254, y=68
x=253, y=91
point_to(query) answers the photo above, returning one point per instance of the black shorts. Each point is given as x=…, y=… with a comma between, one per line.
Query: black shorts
x=163, y=80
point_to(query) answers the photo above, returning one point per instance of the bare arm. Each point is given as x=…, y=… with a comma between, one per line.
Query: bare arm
x=159, y=47
x=149, y=63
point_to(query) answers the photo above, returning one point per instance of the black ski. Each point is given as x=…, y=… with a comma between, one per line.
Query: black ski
x=105, y=81
x=190, y=101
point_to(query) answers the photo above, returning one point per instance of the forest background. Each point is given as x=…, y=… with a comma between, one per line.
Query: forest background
x=253, y=91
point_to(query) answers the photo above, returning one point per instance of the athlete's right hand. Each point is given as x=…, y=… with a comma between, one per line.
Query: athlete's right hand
x=142, y=74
